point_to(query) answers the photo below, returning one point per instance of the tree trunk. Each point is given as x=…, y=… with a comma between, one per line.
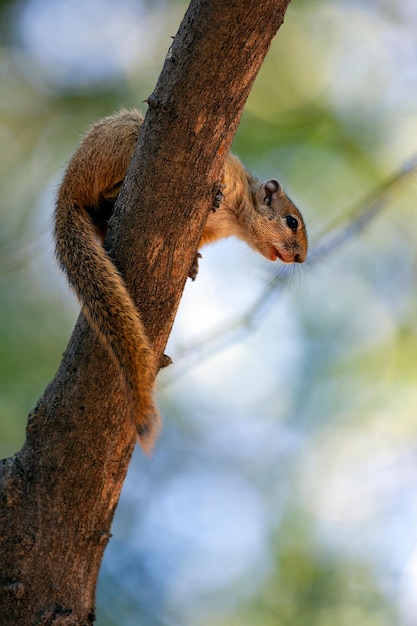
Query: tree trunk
x=59, y=493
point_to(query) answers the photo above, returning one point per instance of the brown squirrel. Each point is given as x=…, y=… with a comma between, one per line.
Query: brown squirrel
x=259, y=213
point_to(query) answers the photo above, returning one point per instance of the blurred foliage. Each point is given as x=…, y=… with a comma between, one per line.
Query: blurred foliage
x=283, y=488
x=313, y=587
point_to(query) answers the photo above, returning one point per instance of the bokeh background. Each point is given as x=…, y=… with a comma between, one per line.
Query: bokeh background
x=284, y=488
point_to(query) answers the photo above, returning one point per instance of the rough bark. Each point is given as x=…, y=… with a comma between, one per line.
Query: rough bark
x=58, y=494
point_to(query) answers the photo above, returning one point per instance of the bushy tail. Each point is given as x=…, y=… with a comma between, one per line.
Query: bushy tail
x=111, y=312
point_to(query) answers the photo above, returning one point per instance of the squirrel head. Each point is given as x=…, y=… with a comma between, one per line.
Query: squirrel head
x=277, y=228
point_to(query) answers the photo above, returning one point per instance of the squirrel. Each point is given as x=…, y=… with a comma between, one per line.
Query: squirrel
x=261, y=214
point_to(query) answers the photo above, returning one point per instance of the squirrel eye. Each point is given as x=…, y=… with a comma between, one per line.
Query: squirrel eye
x=292, y=222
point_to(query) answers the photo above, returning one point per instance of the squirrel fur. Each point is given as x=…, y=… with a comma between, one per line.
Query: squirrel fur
x=261, y=214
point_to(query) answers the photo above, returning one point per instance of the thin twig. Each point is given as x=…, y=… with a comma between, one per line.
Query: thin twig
x=363, y=213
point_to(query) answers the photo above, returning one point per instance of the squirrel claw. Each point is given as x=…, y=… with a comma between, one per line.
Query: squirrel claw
x=218, y=199
x=194, y=267
x=164, y=361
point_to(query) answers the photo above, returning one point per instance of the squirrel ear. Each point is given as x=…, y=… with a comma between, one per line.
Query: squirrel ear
x=269, y=188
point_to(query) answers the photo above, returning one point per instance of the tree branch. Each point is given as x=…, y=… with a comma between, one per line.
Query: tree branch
x=60, y=491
